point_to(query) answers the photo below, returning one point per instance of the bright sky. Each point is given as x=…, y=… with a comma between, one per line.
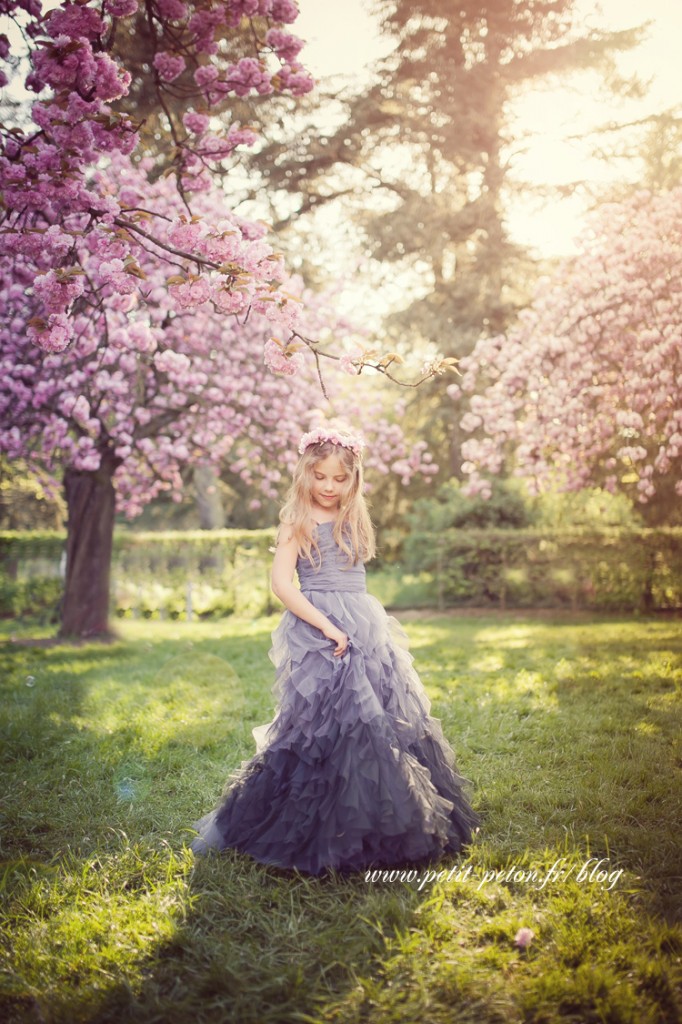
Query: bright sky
x=342, y=38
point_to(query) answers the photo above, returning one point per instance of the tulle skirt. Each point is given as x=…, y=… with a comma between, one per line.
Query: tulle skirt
x=352, y=772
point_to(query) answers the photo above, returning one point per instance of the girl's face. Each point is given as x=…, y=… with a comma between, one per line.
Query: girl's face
x=330, y=478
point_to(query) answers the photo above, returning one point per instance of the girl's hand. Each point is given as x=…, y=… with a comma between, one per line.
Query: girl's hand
x=339, y=638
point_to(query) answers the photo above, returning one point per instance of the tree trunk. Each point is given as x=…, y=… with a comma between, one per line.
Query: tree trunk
x=209, y=498
x=90, y=499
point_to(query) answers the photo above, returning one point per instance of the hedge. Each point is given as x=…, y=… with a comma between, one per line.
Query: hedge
x=182, y=574
x=165, y=574
x=611, y=569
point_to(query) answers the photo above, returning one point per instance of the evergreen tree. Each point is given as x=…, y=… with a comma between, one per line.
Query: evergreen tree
x=418, y=160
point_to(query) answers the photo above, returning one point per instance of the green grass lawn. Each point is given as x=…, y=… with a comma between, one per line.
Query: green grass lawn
x=569, y=729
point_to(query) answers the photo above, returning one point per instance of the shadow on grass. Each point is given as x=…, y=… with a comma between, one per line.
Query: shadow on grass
x=111, y=752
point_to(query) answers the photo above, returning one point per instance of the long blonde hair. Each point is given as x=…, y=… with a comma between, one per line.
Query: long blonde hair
x=353, y=530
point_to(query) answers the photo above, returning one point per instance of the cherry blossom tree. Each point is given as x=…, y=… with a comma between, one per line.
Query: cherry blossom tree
x=586, y=389
x=55, y=205
x=157, y=381
x=137, y=309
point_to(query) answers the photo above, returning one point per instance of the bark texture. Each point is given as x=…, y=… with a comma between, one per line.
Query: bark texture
x=90, y=498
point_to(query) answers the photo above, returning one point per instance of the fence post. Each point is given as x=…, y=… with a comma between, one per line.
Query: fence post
x=439, y=574
x=188, y=602
x=647, y=599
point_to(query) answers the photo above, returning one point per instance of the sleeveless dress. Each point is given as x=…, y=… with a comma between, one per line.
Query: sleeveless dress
x=352, y=772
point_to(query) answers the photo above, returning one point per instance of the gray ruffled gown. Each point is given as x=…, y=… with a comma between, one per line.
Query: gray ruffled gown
x=352, y=772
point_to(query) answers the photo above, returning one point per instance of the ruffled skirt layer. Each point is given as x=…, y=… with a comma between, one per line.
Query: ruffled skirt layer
x=352, y=772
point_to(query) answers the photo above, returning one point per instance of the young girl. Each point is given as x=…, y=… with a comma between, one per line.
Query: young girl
x=352, y=772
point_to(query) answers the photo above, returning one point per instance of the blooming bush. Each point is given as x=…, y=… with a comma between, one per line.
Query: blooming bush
x=586, y=389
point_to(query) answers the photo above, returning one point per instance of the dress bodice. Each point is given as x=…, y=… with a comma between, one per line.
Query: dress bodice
x=334, y=573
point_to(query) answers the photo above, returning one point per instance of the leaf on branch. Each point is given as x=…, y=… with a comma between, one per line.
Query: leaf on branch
x=176, y=279
x=132, y=267
x=109, y=121
x=64, y=273
x=232, y=270
x=392, y=357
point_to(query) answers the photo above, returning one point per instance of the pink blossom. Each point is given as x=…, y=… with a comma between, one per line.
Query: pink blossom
x=295, y=79
x=249, y=74
x=281, y=359
x=113, y=273
x=111, y=81
x=194, y=292
x=205, y=76
x=81, y=409
x=53, y=335
x=74, y=20
x=184, y=234
x=195, y=122
x=57, y=290
x=171, y=362
x=524, y=937
x=230, y=301
x=213, y=147
x=169, y=66
x=348, y=364
x=284, y=11
x=245, y=9
x=121, y=8
x=88, y=462
x=282, y=312
x=287, y=47
x=203, y=26
x=141, y=337
x=237, y=136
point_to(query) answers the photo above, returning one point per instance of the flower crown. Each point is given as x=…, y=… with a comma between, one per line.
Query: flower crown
x=321, y=434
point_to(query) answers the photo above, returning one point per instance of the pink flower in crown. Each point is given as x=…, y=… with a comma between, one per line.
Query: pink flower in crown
x=323, y=434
